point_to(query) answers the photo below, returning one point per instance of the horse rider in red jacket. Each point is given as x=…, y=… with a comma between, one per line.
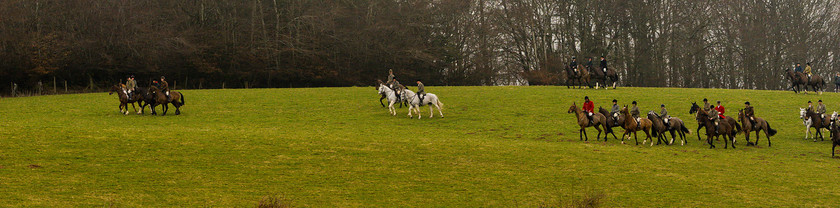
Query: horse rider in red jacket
x=589, y=108
x=720, y=109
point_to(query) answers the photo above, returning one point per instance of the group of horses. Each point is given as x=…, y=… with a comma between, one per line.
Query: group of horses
x=652, y=125
x=799, y=79
x=817, y=121
x=151, y=96
x=655, y=125
x=403, y=95
x=586, y=75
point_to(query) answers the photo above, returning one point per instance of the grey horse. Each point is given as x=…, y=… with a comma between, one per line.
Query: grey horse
x=414, y=103
x=391, y=95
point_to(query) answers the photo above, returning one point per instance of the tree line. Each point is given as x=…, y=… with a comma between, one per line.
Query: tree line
x=311, y=43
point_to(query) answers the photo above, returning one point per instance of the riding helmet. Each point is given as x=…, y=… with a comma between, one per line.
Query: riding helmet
x=747, y=103
x=615, y=101
x=634, y=102
x=704, y=99
x=809, y=101
x=662, y=106
x=586, y=97
x=161, y=77
x=819, y=101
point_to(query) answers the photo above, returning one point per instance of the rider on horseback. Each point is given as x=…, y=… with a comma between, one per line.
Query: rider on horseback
x=720, y=109
x=588, y=64
x=164, y=87
x=664, y=116
x=421, y=91
x=588, y=108
x=394, y=85
x=614, y=111
x=808, y=71
x=634, y=112
x=604, y=64
x=821, y=109
x=573, y=65
x=706, y=106
x=798, y=69
x=749, y=113
x=130, y=86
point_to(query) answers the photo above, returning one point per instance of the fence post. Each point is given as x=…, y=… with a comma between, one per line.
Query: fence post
x=174, y=84
x=55, y=88
x=186, y=82
x=65, y=86
x=14, y=89
x=223, y=85
x=40, y=87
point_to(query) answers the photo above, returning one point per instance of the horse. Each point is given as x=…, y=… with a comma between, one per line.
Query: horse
x=612, y=120
x=631, y=127
x=414, y=103
x=379, y=82
x=724, y=129
x=124, y=99
x=571, y=77
x=391, y=95
x=835, y=133
x=817, y=121
x=760, y=124
x=604, y=77
x=145, y=98
x=678, y=126
x=695, y=109
x=598, y=120
x=160, y=99
x=658, y=127
x=798, y=78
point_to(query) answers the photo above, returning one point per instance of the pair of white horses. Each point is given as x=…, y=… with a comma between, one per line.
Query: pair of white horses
x=413, y=101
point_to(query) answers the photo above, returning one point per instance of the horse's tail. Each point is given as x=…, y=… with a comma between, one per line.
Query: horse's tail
x=439, y=103
x=770, y=131
x=684, y=130
x=182, y=98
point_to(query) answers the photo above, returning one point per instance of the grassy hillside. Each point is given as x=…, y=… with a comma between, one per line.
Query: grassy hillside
x=337, y=147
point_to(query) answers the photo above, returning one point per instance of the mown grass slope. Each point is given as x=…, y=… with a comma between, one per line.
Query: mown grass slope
x=337, y=147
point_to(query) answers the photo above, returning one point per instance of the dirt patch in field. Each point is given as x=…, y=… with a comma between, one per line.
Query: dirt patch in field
x=33, y=166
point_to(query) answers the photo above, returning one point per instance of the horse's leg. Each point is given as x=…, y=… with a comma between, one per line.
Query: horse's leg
x=636, y=136
x=439, y=111
x=431, y=111
x=380, y=101
x=673, y=137
x=580, y=133
x=164, y=107
x=698, y=130
x=598, y=137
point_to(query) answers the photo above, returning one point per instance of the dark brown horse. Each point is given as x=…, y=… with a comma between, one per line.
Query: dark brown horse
x=160, y=99
x=658, y=128
x=598, y=121
x=835, y=136
x=695, y=109
x=678, y=127
x=631, y=127
x=817, y=122
x=724, y=129
x=817, y=83
x=602, y=78
x=582, y=75
x=612, y=121
x=124, y=99
x=760, y=124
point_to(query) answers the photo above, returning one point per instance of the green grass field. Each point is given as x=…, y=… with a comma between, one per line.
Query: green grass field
x=337, y=147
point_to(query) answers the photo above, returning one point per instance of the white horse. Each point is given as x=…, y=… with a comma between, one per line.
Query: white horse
x=807, y=122
x=414, y=103
x=391, y=95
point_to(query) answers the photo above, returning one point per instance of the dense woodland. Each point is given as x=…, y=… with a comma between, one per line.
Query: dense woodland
x=309, y=43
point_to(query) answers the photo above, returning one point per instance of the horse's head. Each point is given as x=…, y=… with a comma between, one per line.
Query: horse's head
x=694, y=108
x=113, y=89
x=572, y=108
x=740, y=114
x=623, y=110
x=802, y=113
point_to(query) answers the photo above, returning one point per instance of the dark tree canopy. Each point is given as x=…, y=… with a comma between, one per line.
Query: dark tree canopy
x=310, y=43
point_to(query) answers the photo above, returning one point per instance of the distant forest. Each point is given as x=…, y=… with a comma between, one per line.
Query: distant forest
x=92, y=45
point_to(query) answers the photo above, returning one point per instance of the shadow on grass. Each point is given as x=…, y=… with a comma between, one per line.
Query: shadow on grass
x=275, y=202
x=590, y=200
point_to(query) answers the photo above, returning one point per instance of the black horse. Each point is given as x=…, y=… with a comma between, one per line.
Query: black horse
x=146, y=98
